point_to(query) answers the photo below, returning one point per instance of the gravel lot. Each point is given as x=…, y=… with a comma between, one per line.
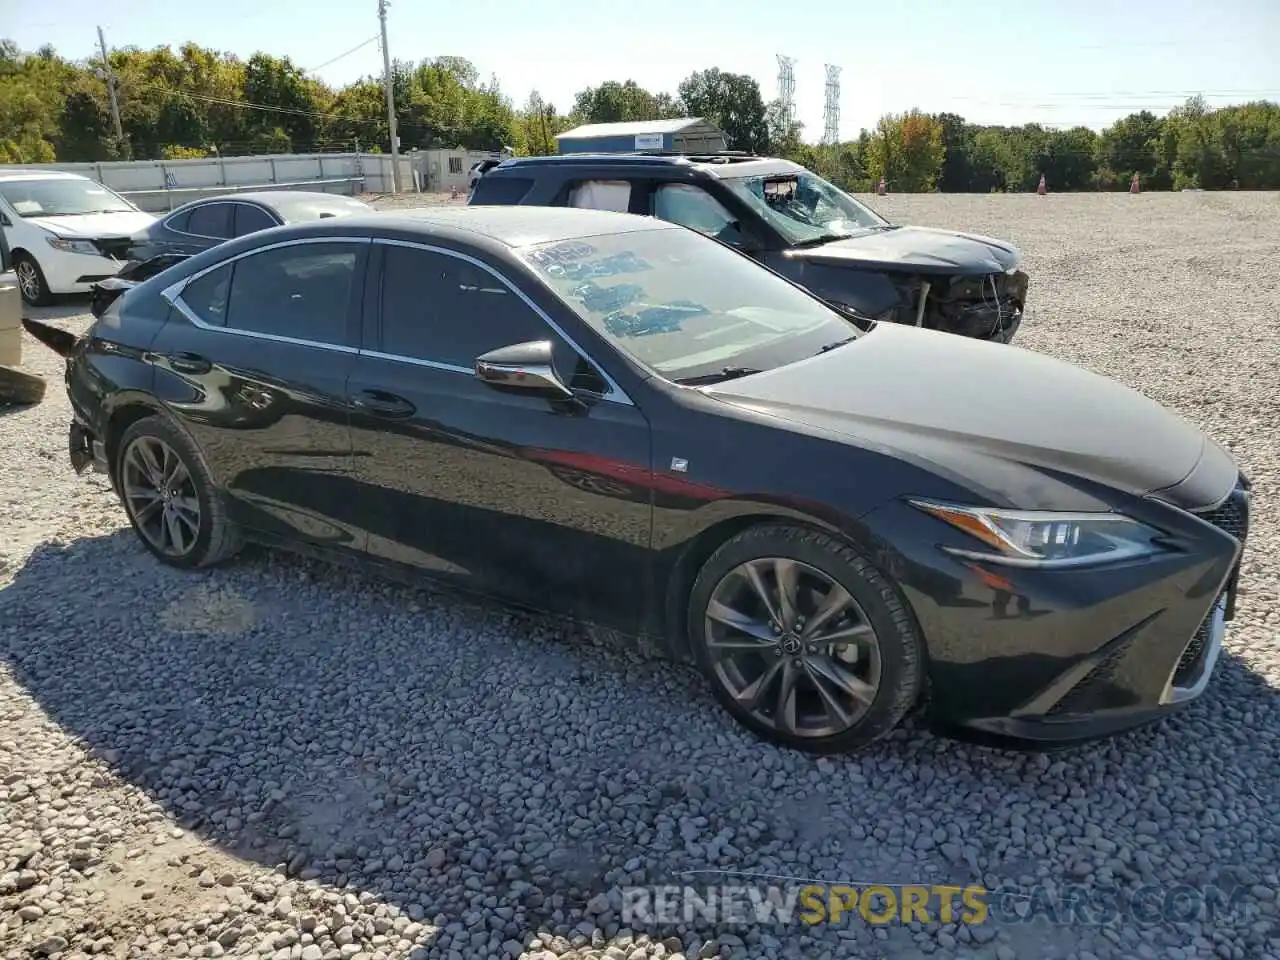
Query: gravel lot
x=280, y=760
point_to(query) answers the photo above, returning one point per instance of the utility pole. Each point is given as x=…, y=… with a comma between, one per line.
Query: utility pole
x=391, y=100
x=111, y=86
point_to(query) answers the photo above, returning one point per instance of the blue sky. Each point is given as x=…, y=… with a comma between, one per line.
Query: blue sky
x=993, y=61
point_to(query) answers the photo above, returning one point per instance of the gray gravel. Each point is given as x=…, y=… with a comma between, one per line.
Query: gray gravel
x=281, y=760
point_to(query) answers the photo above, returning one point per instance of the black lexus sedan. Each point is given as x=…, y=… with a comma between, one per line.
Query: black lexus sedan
x=209, y=221
x=619, y=420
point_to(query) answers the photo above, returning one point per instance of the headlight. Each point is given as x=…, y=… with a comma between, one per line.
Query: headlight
x=1042, y=539
x=73, y=246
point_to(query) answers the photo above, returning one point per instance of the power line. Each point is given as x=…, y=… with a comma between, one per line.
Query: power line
x=358, y=46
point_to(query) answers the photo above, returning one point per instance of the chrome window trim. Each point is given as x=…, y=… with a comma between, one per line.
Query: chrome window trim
x=197, y=204
x=172, y=294
x=615, y=395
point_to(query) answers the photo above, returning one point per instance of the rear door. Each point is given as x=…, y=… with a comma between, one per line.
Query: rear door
x=510, y=495
x=256, y=367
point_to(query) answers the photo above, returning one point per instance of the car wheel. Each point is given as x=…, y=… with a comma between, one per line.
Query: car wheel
x=170, y=498
x=803, y=641
x=31, y=281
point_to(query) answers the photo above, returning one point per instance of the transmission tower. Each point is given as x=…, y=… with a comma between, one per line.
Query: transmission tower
x=787, y=89
x=831, y=109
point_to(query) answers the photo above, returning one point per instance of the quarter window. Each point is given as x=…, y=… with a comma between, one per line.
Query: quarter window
x=251, y=219
x=441, y=308
x=207, y=296
x=302, y=291
x=612, y=195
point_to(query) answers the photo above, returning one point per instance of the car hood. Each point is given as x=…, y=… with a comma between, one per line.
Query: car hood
x=917, y=249
x=963, y=403
x=87, y=225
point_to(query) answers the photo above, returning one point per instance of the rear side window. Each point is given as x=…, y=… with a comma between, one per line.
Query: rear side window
x=612, y=195
x=213, y=220
x=251, y=219
x=499, y=191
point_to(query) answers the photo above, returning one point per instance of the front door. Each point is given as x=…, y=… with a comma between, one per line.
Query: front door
x=543, y=504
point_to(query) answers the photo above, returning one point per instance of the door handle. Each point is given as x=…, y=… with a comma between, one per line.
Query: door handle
x=382, y=404
x=188, y=362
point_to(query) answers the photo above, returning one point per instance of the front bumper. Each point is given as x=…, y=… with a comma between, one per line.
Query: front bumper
x=75, y=272
x=1051, y=658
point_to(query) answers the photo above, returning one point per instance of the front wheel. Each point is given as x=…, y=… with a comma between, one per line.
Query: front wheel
x=170, y=498
x=803, y=641
x=31, y=281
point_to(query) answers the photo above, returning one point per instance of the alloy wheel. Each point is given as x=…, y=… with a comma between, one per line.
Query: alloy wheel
x=792, y=647
x=160, y=496
x=28, y=279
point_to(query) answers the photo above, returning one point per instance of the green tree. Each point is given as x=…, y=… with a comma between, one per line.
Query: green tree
x=732, y=102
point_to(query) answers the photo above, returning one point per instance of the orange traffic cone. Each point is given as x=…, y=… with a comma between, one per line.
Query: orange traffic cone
x=880, y=188
x=1133, y=184
x=1041, y=189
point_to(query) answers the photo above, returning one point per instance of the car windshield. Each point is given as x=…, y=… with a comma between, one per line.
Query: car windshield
x=804, y=208
x=688, y=308
x=61, y=198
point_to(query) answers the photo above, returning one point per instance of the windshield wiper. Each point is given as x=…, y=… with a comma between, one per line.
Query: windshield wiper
x=820, y=240
x=726, y=373
x=837, y=343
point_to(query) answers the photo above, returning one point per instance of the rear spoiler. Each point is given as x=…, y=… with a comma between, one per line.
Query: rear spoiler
x=59, y=341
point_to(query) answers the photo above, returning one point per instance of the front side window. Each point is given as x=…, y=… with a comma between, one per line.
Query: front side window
x=444, y=309
x=804, y=208
x=211, y=220
x=693, y=207
x=61, y=198
x=683, y=306
x=301, y=291
x=612, y=195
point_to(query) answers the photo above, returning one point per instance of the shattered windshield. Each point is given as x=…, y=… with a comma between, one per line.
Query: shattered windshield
x=685, y=306
x=804, y=208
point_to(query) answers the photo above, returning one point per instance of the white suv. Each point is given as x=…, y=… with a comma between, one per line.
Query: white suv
x=65, y=232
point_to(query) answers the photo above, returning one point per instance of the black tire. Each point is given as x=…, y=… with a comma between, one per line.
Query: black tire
x=19, y=387
x=216, y=538
x=31, y=282
x=901, y=659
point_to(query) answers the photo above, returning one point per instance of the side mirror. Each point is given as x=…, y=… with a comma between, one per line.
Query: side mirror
x=523, y=368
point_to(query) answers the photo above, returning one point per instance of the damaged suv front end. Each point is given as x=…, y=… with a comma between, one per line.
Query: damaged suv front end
x=958, y=283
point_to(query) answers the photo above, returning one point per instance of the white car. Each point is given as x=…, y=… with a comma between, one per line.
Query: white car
x=65, y=232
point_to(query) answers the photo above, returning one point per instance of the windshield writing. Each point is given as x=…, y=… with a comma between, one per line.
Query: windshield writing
x=686, y=306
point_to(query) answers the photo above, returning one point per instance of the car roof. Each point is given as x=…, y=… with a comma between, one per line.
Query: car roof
x=513, y=226
x=721, y=165
x=36, y=174
x=279, y=199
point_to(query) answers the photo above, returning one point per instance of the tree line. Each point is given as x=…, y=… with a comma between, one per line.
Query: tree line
x=197, y=102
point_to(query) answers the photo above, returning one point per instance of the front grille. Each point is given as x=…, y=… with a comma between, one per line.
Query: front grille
x=1232, y=516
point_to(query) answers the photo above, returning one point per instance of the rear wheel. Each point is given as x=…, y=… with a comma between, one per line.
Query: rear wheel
x=31, y=281
x=170, y=498
x=803, y=641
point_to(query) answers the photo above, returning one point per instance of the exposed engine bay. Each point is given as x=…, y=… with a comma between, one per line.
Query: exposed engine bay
x=986, y=307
